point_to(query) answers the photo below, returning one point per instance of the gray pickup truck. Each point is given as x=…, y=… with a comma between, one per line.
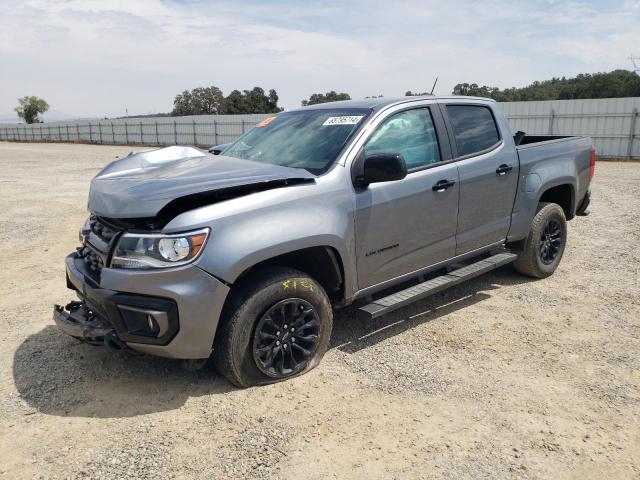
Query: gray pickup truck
x=245, y=254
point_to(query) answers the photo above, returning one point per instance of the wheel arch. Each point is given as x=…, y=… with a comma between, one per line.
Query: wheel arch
x=323, y=263
x=562, y=194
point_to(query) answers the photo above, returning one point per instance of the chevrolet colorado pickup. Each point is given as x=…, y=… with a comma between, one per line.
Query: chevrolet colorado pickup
x=244, y=254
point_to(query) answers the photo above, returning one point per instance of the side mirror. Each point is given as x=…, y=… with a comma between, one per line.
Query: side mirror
x=382, y=167
x=218, y=149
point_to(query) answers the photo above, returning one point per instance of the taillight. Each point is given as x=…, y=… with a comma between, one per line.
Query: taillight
x=592, y=163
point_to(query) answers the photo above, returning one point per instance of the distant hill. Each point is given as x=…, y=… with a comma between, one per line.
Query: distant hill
x=616, y=84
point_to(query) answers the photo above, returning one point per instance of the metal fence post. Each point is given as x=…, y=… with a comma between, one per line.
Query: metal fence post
x=126, y=133
x=215, y=132
x=68, y=136
x=551, y=118
x=175, y=133
x=48, y=133
x=90, y=133
x=157, y=137
x=141, y=136
x=59, y=133
x=632, y=133
x=195, y=139
x=78, y=131
x=243, y=126
x=113, y=134
x=100, y=131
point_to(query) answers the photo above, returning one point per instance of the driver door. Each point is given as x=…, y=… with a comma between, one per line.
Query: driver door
x=406, y=225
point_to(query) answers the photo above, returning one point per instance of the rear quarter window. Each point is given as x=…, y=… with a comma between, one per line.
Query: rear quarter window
x=474, y=128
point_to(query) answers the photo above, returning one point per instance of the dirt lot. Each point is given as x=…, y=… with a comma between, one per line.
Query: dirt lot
x=503, y=377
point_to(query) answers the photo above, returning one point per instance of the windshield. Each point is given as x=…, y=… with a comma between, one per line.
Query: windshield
x=309, y=139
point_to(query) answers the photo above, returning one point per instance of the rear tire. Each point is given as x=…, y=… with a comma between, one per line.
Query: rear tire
x=545, y=243
x=278, y=305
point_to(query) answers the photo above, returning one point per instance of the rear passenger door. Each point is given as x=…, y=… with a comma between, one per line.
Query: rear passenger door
x=488, y=175
x=405, y=225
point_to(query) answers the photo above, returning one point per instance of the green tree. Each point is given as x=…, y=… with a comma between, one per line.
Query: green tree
x=615, y=84
x=252, y=101
x=199, y=101
x=331, y=96
x=409, y=93
x=30, y=107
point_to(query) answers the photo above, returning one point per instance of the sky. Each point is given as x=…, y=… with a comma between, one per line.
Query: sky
x=102, y=58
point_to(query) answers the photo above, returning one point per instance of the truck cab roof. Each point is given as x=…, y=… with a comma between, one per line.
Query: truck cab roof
x=383, y=102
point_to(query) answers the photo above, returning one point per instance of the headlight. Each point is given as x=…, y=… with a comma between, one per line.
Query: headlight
x=155, y=250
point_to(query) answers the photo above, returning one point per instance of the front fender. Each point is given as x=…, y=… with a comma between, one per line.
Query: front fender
x=255, y=228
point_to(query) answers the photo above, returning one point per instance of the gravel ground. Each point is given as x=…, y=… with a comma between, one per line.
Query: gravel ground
x=502, y=377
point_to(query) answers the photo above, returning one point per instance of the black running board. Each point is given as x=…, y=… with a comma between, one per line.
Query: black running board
x=400, y=299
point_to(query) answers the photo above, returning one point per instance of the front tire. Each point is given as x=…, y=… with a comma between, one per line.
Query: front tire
x=277, y=325
x=545, y=244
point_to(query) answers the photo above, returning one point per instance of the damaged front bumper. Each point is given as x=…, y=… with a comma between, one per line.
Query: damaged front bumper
x=171, y=313
x=77, y=321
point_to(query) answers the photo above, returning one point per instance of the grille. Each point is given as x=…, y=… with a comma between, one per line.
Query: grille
x=103, y=231
x=97, y=245
x=92, y=261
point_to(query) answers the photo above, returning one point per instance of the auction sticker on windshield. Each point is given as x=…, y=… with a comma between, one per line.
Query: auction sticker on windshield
x=266, y=122
x=344, y=120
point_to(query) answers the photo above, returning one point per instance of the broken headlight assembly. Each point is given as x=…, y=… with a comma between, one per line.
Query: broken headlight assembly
x=146, y=251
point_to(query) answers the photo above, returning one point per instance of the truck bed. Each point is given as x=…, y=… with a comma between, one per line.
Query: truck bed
x=529, y=139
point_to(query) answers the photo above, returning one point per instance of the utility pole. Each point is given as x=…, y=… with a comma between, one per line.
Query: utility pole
x=635, y=61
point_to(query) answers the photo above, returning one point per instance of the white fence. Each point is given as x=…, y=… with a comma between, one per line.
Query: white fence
x=612, y=123
x=203, y=130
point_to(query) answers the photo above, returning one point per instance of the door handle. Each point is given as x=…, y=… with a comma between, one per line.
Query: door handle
x=442, y=185
x=503, y=169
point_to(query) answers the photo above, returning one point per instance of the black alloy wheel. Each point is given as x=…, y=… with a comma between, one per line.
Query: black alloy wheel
x=286, y=338
x=542, y=250
x=550, y=241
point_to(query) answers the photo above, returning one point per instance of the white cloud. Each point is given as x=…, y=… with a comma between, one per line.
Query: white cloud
x=99, y=57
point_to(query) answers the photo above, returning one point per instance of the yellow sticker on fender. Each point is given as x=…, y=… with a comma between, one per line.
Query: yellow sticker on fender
x=265, y=122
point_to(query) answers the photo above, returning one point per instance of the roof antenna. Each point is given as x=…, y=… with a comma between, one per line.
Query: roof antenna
x=434, y=86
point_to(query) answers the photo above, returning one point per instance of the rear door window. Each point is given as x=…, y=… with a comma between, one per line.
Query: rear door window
x=474, y=128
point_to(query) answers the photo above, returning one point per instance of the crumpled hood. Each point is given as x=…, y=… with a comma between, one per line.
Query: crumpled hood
x=141, y=184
